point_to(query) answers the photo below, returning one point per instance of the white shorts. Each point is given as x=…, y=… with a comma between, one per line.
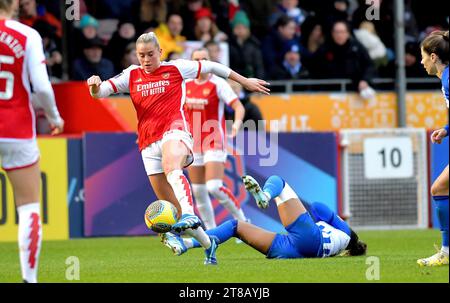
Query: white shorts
x=18, y=154
x=210, y=156
x=152, y=154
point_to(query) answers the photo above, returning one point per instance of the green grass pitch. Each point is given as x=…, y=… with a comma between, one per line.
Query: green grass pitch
x=145, y=259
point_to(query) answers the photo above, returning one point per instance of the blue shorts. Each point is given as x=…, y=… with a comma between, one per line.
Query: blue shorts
x=304, y=240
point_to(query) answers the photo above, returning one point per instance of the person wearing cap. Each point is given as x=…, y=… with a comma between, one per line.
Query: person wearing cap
x=86, y=30
x=92, y=62
x=245, y=49
x=206, y=28
x=291, y=68
x=88, y=25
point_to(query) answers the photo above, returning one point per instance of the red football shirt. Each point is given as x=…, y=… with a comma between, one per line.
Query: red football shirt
x=158, y=97
x=20, y=52
x=205, y=105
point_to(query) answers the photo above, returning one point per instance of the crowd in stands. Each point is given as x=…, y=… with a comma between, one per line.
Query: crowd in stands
x=269, y=39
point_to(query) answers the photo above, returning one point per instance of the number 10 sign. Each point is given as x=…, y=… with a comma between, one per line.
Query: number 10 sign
x=388, y=158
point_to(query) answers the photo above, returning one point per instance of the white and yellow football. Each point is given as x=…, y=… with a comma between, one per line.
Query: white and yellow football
x=160, y=216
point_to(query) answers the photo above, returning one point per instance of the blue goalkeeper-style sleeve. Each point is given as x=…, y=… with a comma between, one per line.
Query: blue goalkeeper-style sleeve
x=322, y=212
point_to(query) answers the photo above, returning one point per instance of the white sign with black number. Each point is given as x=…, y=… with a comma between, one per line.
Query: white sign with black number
x=388, y=158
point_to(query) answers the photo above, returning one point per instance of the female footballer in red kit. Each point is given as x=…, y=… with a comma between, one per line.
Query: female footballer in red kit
x=158, y=92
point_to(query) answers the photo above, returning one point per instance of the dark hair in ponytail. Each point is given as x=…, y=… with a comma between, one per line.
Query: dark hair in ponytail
x=356, y=247
x=437, y=42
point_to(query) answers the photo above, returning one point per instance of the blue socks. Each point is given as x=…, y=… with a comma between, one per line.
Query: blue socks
x=442, y=215
x=321, y=212
x=223, y=232
x=274, y=186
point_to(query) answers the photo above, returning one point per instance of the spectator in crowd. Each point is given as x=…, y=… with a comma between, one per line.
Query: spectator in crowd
x=187, y=13
x=87, y=29
x=384, y=27
x=170, y=37
x=291, y=68
x=245, y=50
x=258, y=11
x=311, y=40
x=291, y=9
x=53, y=57
x=30, y=12
x=215, y=52
x=252, y=111
x=122, y=37
x=278, y=42
x=92, y=63
x=368, y=37
x=129, y=57
x=206, y=28
x=146, y=11
x=344, y=57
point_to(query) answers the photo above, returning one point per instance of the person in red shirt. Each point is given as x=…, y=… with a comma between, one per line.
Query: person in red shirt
x=205, y=101
x=158, y=92
x=22, y=65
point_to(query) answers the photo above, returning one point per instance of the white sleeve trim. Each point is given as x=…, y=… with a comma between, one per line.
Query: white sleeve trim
x=215, y=68
x=37, y=71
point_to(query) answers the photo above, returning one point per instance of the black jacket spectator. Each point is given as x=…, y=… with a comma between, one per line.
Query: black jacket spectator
x=345, y=58
x=92, y=63
x=125, y=34
x=247, y=59
x=245, y=50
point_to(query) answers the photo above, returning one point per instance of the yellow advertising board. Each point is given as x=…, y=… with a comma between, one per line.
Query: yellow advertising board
x=54, y=209
x=334, y=111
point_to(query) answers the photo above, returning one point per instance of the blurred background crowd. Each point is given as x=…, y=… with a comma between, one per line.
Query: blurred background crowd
x=269, y=39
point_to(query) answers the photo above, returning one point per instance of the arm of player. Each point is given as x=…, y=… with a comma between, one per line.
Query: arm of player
x=239, y=113
x=41, y=84
x=438, y=135
x=98, y=88
x=251, y=84
x=115, y=85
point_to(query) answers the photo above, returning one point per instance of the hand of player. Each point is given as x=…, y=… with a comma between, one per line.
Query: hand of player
x=438, y=135
x=57, y=128
x=94, y=83
x=257, y=86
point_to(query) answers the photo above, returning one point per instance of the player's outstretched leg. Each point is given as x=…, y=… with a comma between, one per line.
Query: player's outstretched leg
x=252, y=186
x=174, y=242
x=178, y=246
